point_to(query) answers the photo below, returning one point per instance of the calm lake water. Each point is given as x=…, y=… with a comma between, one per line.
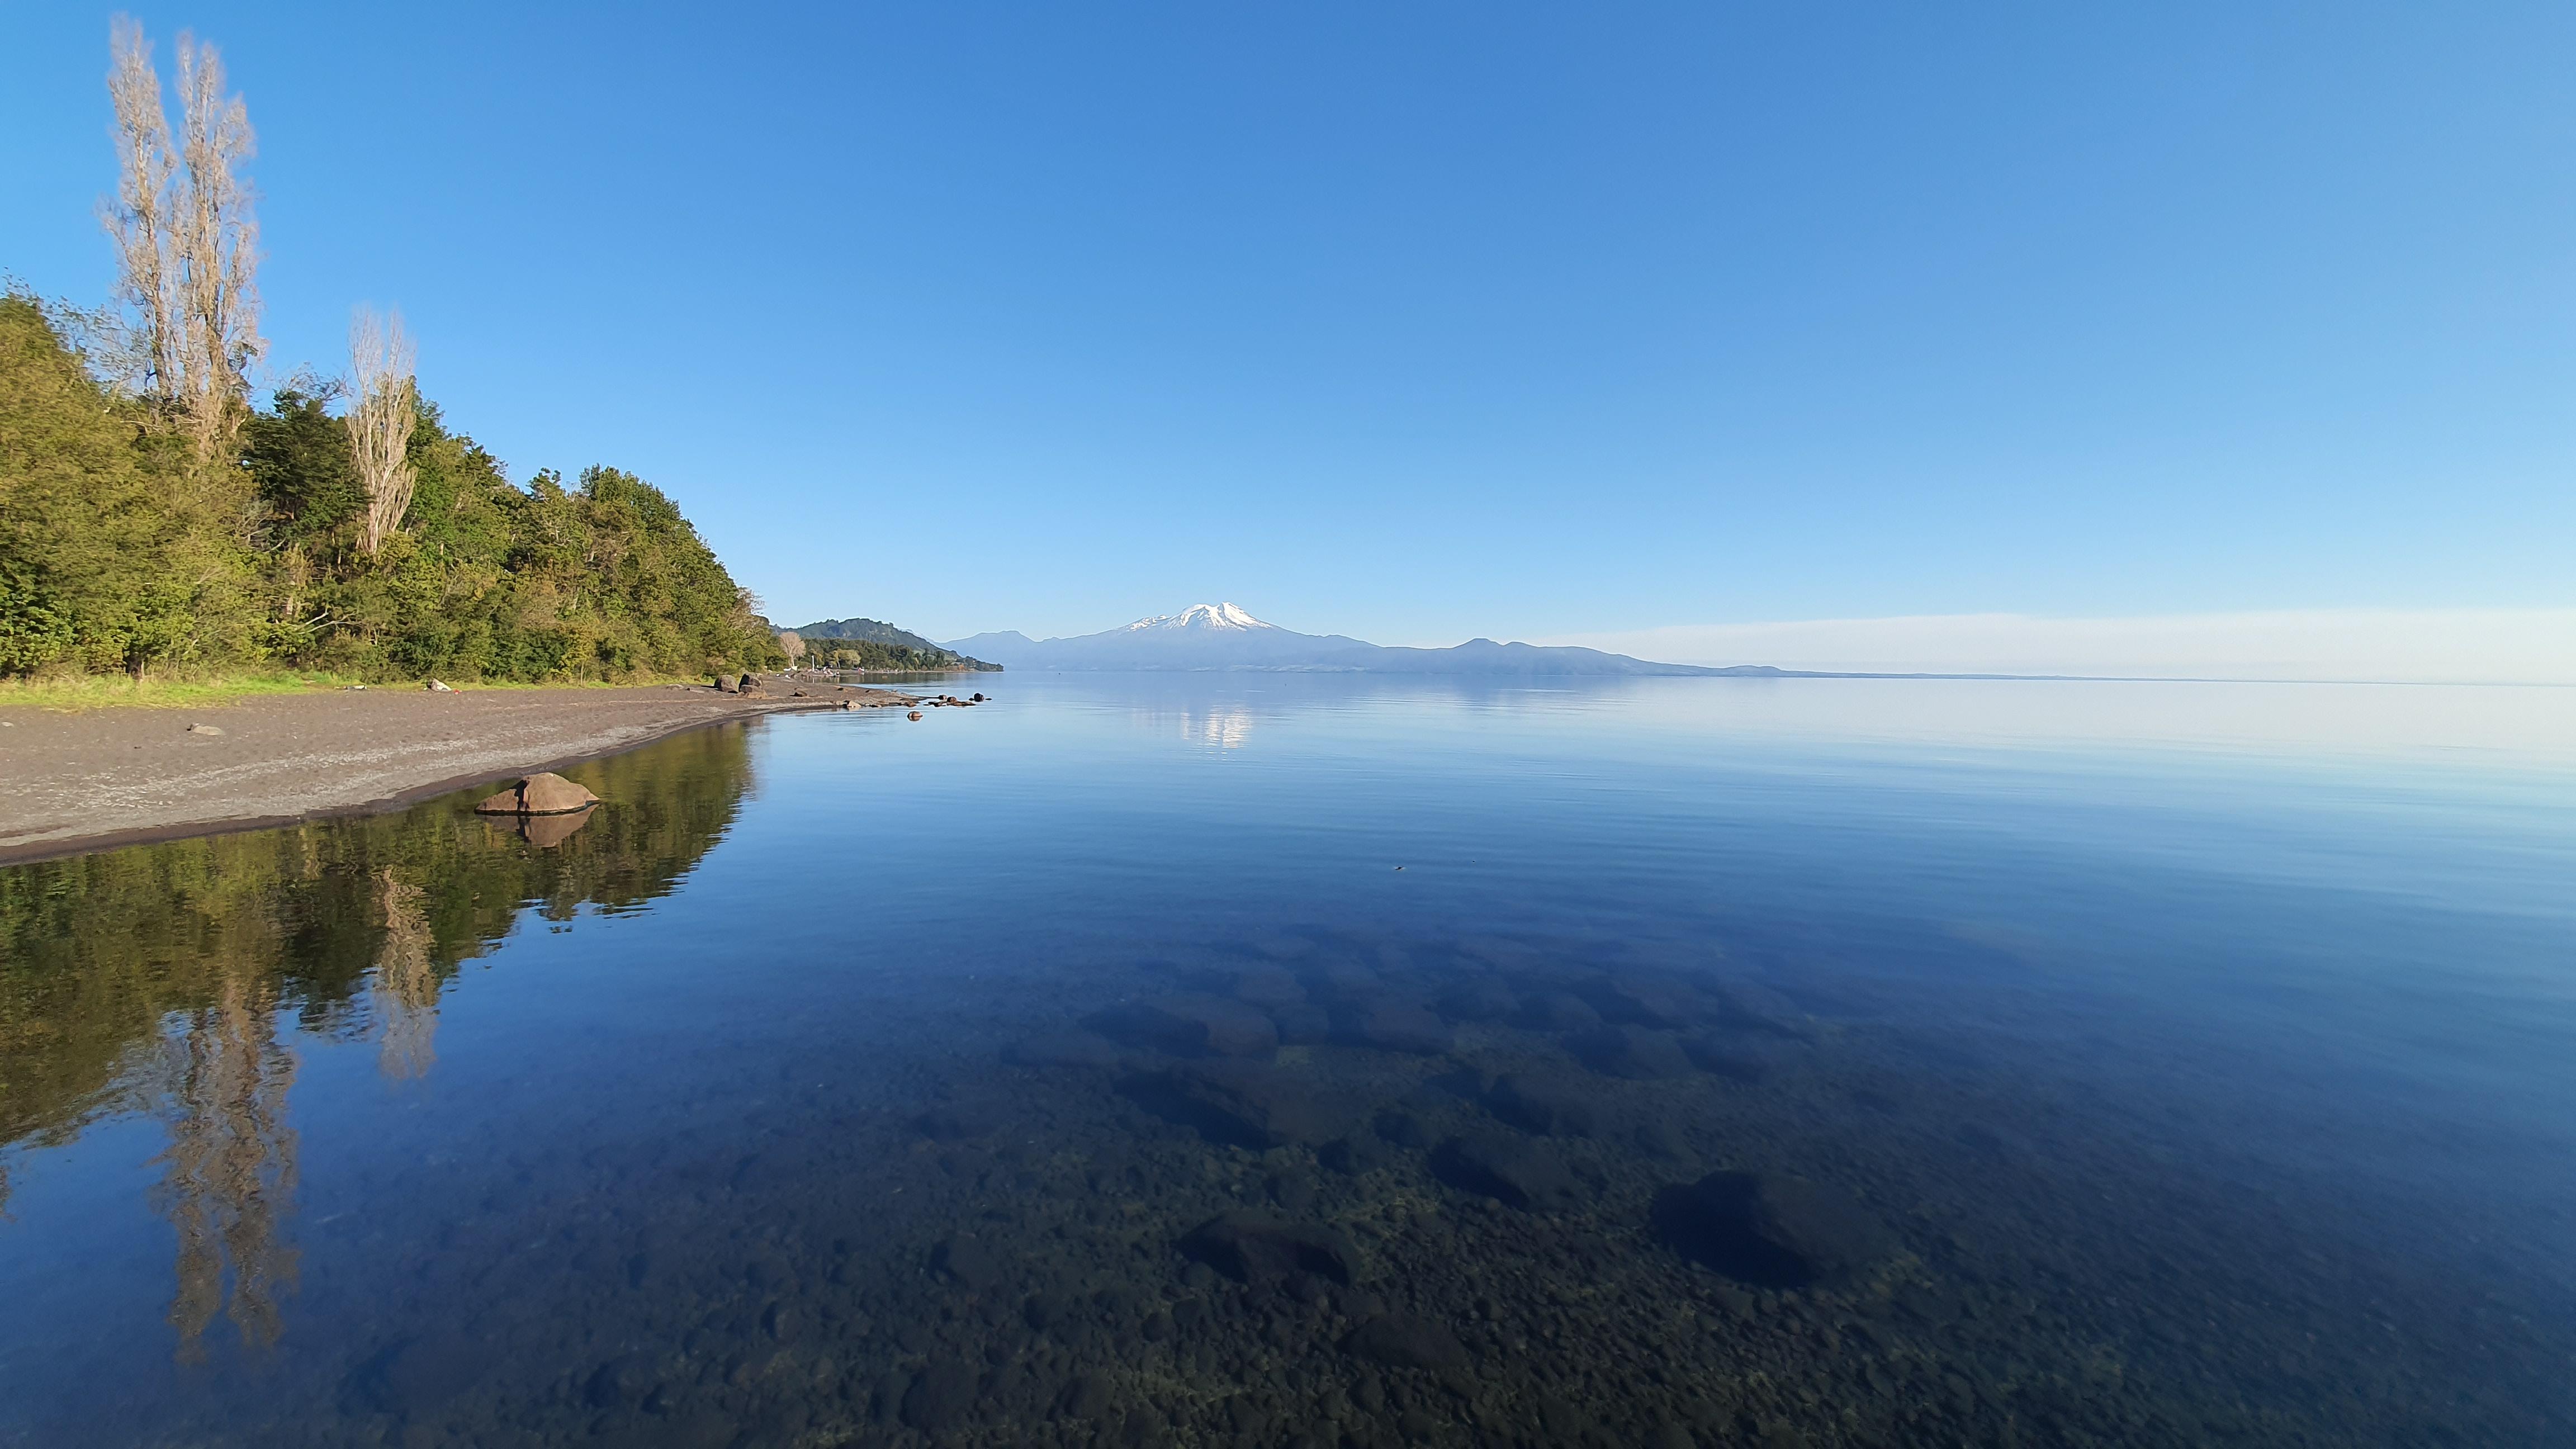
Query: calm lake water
x=1314, y=1061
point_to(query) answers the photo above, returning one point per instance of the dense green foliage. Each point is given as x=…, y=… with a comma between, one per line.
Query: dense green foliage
x=118, y=551
x=899, y=658
x=875, y=644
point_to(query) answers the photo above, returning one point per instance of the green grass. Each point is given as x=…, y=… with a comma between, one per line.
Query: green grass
x=103, y=691
x=100, y=691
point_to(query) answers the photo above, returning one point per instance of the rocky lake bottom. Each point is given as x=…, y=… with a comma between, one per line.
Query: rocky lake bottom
x=1092, y=1076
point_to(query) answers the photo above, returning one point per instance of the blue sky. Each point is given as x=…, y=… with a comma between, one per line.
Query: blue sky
x=1421, y=321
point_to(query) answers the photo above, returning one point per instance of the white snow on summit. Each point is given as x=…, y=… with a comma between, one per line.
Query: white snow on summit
x=1203, y=616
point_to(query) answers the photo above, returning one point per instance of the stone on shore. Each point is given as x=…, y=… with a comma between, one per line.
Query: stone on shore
x=543, y=794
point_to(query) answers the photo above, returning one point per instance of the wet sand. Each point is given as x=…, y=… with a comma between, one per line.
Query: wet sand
x=73, y=782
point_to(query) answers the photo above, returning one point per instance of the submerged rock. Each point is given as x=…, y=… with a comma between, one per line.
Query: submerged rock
x=1555, y=1011
x=1255, y=1247
x=1244, y=1104
x=1771, y=1230
x=1304, y=1024
x=1395, y=1027
x=1190, y=1024
x=1268, y=987
x=1478, y=1001
x=1515, y=1170
x=1064, y=1049
x=1739, y=1055
x=957, y=1123
x=1406, y=1340
x=966, y=1261
x=1632, y=1052
x=1549, y=1104
x=1759, y=1008
x=940, y=1397
x=1644, y=1000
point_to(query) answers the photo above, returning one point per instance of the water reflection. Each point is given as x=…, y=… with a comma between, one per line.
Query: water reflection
x=174, y=980
x=229, y=1172
x=1679, y=1092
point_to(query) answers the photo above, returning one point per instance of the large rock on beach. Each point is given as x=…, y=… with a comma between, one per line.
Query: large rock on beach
x=543, y=794
x=1258, y=1248
x=1771, y=1230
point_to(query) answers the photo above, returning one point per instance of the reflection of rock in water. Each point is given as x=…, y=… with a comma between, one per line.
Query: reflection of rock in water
x=230, y=1166
x=406, y=982
x=545, y=832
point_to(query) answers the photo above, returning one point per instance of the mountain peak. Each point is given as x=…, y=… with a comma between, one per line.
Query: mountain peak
x=1227, y=617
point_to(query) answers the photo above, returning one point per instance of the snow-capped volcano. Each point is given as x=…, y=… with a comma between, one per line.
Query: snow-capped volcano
x=1226, y=636
x=1201, y=616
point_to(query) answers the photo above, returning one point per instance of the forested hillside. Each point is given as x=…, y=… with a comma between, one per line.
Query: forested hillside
x=154, y=518
x=118, y=552
x=875, y=644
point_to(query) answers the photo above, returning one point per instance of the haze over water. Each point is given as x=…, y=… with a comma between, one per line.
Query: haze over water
x=1203, y=1059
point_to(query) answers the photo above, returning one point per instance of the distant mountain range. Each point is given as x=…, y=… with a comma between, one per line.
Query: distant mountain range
x=1224, y=636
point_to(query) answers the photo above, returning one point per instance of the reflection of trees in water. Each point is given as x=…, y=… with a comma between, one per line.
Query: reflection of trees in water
x=154, y=978
x=406, y=980
x=229, y=1173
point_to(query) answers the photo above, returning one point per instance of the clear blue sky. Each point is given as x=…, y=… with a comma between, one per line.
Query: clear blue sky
x=1417, y=321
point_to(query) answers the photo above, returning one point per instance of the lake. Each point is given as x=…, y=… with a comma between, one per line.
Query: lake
x=1306, y=1060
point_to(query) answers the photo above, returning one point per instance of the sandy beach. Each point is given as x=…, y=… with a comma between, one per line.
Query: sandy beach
x=75, y=782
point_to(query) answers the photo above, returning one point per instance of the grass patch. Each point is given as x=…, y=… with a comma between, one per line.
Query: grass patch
x=104, y=691
x=101, y=691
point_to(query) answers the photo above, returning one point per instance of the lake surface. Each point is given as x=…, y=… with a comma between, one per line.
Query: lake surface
x=1320, y=1061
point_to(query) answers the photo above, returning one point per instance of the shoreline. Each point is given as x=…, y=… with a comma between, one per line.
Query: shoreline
x=120, y=775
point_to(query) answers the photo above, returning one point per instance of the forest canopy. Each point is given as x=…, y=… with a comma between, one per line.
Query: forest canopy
x=153, y=517
x=119, y=551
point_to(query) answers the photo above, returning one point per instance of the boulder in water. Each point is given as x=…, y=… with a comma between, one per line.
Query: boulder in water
x=1396, y=1027
x=1256, y=1247
x=1549, y=1104
x=1513, y=1170
x=1770, y=1229
x=1632, y=1052
x=1190, y=1024
x=546, y=794
x=1246, y=1104
x=1406, y=1340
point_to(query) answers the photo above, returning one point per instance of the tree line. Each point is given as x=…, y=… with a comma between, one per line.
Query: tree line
x=153, y=517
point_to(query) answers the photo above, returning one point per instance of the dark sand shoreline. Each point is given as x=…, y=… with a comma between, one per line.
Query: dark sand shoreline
x=71, y=784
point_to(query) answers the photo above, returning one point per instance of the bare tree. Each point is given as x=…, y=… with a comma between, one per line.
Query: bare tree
x=219, y=244
x=187, y=242
x=382, y=407
x=136, y=221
